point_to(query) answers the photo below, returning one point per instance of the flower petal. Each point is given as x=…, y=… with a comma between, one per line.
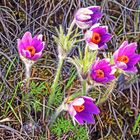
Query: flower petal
x=27, y=39
x=121, y=65
x=90, y=107
x=133, y=59
x=106, y=37
x=78, y=102
x=26, y=53
x=83, y=17
x=79, y=119
x=85, y=11
x=84, y=25
x=132, y=69
x=39, y=37
x=36, y=56
x=20, y=45
x=130, y=49
x=100, y=29
x=93, y=46
x=86, y=117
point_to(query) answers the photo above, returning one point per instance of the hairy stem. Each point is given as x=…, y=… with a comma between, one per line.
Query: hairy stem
x=28, y=68
x=55, y=82
x=61, y=60
x=54, y=85
x=84, y=87
x=107, y=93
x=58, y=111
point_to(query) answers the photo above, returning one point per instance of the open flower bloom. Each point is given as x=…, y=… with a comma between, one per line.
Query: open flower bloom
x=97, y=37
x=86, y=17
x=125, y=57
x=82, y=109
x=101, y=71
x=30, y=48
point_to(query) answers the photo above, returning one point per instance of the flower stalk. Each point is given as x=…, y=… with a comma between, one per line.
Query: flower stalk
x=108, y=93
x=54, y=85
x=61, y=55
x=84, y=87
x=63, y=106
x=55, y=82
x=28, y=70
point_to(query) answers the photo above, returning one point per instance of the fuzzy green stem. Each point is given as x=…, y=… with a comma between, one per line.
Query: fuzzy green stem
x=84, y=87
x=53, y=88
x=85, y=59
x=83, y=80
x=28, y=68
x=61, y=60
x=107, y=94
x=54, y=85
x=58, y=111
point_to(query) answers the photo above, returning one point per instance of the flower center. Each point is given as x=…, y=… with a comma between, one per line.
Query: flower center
x=99, y=74
x=96, y=38
x=79, y=108
x=123, y=58
x=31, y=49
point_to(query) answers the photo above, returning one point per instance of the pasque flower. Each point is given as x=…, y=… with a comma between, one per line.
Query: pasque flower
x=82, y=109
x=125, y=57
x=86, y=17
x=30, y=48
x=101, y=71
x=97, y=37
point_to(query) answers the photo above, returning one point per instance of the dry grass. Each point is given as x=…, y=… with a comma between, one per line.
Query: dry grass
x=119, y=112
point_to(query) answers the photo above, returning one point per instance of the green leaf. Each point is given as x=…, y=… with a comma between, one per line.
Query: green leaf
x=63, y=126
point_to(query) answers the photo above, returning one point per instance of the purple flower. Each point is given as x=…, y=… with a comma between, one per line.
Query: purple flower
x=125, y=57
x=82, y=109
x=86, y=17
x=30, y=48
x=101, y=71
x=97, y=37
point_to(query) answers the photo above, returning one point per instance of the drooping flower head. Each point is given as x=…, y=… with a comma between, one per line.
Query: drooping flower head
x=86, y=17
x=97, y=37
x=125, y=57
x=82, y=109
x=30, y=48
x=101, y=71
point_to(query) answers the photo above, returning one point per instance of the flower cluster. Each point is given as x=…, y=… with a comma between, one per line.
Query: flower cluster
x=102, y=71
x=92, y=68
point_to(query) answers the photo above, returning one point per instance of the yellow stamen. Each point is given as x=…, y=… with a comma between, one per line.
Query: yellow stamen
x=96, y=38
x=79, y=108
x=31, y=49
x=99, y=73
x=123, y=58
